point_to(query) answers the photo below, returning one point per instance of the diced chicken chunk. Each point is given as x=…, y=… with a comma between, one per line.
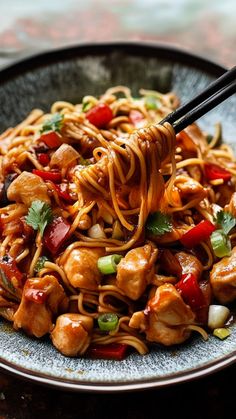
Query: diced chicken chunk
x=189, y=264
x=81, y=268
x=188, y=187
x=72, y=334
x=64, y=156
x=166, y=317
x=223, y=278
x=27, y=188
x=136, y=270
x=7, y=308
x=42, y=299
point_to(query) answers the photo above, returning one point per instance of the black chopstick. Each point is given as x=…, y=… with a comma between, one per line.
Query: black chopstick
x=217, y=92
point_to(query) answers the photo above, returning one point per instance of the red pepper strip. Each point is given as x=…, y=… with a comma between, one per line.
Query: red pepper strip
x=213, y=171
x=10, y=276
x=200, y=232
x=135, y=117
x=116, y=351
x=52, y=175
x=100, y=115
x=55, y=234
x=35, y=295
x=43, y=159
x=191, y=292
x=63, y=193
x=51, y=139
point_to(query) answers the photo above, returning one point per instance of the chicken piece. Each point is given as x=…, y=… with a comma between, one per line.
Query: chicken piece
x=224, y=192
x=189, y=187
x=166, y=317
x=7, y=308
x=231, y=207
x=81, y=268
x=72, y=334
x=189, y=264
x=42, y=299
x=64, y=156
x=136, y=270
x=27, y=188
x=223, y=278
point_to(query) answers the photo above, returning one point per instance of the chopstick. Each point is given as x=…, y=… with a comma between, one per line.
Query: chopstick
x=216, y=93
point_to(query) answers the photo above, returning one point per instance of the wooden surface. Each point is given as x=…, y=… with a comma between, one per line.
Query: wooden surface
x=202, y=26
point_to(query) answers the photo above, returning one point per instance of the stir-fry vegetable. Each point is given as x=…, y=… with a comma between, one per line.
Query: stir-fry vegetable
x=217, y=316
x=108, y=264
x=53, y=124
x=221, y=333
x=115, y=351
x=45, y=175
x=40, y=263
x=213, y=172
x=198, y=233
x=100, y=115
x=108, y=321
x=220, y=243
x=56, y=233
x=190, y=291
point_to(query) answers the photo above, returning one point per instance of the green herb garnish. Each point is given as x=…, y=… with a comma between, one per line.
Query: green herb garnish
x=225, y=220
x=40, y=263
x=158, y=223
x=39, y=216
x=53, y=124
x=86, y=106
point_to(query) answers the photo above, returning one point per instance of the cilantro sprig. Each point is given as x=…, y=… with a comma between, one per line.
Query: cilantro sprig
x=158, y=223
x=39, y=216
x=53, y=124
x=225, y=220
x=40, y=263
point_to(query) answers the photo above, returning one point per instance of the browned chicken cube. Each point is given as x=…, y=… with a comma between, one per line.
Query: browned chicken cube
x=231, y=207
x=81, y=268
x=166, y=317
x=136, y=270
x=72, y=334
x=27, y=188
x=223, y=278
x=42, y=299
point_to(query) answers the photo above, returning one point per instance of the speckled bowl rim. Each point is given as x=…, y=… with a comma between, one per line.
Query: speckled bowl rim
x=165, y=51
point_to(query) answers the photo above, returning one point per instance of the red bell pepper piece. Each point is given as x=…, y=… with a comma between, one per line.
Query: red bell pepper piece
x=10, y=276
x=116, y=351
x=191, y=292
x=135, y=117
x=63, y=193
x=55, y=234
x=51, y=139
x=52, y=175
x=100, y=115
x=43, y=159
x=35, y=295
x=198, y=233
x=213, y=171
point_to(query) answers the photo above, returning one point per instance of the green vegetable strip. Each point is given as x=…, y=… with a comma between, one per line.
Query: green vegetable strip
x=220, y=243
x=108, y=264
x=221, y=333
x=108, y=321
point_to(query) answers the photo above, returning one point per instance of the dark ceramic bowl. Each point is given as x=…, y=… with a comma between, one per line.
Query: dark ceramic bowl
x=69, y=74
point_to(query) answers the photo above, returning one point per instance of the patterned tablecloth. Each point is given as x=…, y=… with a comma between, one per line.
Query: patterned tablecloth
x=205, y=27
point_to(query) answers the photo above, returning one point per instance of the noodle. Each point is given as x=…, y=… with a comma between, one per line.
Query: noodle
x=102, y=181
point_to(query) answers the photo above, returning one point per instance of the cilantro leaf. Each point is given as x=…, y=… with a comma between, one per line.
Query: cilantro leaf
x=158, y=223
x=225, y=220
x=40, y=263
x=39, y=216
x=53, y=124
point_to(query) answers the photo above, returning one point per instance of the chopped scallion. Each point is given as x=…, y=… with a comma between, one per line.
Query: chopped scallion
x=108, y=321
x=108, y=264
x=220, y=243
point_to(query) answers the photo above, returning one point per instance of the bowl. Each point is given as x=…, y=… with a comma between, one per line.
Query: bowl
x=69, y=74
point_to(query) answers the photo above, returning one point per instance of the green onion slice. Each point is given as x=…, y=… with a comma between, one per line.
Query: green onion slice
x=108, y=264
x=220, y=244
x=108, y=321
